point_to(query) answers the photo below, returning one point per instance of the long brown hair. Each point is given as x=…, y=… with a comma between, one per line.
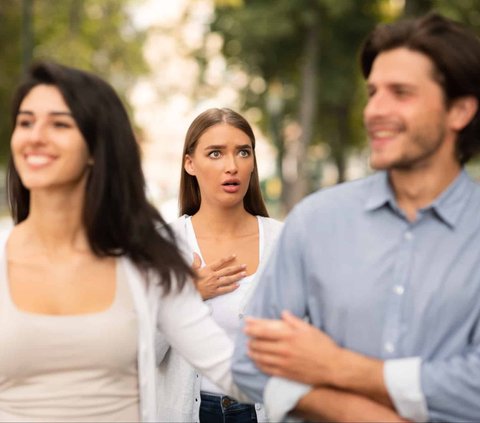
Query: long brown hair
x=189, y=198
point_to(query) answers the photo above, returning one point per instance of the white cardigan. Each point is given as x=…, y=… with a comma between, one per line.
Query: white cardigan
x=179, y=382
x=184, y=321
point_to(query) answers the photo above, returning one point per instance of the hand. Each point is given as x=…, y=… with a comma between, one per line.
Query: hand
x=214, y=280
x=293, y=349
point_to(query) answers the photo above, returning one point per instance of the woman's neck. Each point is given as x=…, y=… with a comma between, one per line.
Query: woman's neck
x=223, y=222
x=55, y=220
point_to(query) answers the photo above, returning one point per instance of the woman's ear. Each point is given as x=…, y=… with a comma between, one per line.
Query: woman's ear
x=188, y=165
x=462, y=111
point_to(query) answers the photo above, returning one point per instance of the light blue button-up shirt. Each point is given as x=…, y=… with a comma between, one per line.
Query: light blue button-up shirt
x=378, y=284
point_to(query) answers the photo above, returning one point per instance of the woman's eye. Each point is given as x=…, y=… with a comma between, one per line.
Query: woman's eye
x=24, y=123
x=214, y=154
x=61, y=125
x=244, y=153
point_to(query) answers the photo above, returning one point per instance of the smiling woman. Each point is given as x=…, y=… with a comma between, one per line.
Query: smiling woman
x=226, y=230
x=85, y=272
x=64, y=159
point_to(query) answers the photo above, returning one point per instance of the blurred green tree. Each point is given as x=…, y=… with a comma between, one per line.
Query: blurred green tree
x=305, y=52
x=93, y=35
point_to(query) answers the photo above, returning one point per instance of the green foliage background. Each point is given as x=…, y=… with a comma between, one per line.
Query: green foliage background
x=90, y=34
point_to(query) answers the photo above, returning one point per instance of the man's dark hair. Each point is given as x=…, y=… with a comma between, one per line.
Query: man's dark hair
x=455, y=54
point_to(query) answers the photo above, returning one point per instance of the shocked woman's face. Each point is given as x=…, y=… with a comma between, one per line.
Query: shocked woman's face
x=223, y=162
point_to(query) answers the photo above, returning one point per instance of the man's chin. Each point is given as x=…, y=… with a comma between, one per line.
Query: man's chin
x=377, y=163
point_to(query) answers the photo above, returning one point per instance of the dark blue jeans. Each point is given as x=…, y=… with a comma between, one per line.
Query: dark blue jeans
x=223, y=409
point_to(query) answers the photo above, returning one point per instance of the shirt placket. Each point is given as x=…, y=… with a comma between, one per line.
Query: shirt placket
x=398, y=289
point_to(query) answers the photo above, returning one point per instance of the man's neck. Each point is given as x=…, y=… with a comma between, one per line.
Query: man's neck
x=417, y=188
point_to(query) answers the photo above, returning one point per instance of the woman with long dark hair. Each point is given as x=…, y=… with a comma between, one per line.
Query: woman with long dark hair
x=225, y=228
x=90, y=272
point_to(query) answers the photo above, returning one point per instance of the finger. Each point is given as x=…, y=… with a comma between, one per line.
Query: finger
x=266, y=329
x=226, y=289
x=272, y=348
x=265, y=361
x=228, y=280
x=232, y=270
x=219, y=263
x=197, y=262
x=294, y=321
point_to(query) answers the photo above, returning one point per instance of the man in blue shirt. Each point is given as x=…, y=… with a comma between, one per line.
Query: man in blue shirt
x=386, y=268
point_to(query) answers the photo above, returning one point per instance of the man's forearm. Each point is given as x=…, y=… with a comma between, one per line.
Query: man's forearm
x=333, y=405
x=361, y=375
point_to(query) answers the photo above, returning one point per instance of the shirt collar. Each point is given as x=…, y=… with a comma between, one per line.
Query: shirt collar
x=447, y=206
x=451, y=202
x=380, y=192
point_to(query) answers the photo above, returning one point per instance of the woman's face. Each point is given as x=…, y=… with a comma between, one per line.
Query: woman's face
x=223, y=163
x=47, y=146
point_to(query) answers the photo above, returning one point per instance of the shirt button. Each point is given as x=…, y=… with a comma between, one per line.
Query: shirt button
x=389, y=347
x=398, y=289
x=408, y=236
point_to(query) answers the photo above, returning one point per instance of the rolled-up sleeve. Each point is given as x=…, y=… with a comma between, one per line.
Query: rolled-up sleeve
x=402, y=379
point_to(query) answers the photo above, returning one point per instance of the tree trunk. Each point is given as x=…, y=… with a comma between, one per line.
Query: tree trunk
x=417, y=7
x=296, y=188
x=27, y=34
x=339, y=143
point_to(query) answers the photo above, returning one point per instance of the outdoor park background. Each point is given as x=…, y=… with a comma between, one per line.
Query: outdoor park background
x=289, y=66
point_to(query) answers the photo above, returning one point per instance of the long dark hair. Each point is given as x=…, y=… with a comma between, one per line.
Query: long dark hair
x=455, y=53
x=117, y=216
x=189, y=198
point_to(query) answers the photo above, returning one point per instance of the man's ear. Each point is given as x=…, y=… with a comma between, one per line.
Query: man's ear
x=462, y=111
x=188, y=165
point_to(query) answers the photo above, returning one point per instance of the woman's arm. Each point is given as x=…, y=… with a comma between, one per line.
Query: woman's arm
x=188, y=327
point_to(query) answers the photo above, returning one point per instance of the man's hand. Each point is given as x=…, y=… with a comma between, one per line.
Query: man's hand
x=214, y=280
x=293, y=349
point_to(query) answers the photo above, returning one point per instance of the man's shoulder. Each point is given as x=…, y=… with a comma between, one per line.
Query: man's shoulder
x=351, y=195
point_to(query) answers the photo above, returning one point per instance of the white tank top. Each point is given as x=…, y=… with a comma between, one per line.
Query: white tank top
x=224, y=308
x=68, y=368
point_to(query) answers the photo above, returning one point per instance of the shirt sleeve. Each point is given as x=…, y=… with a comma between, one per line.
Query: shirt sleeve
x=188, y=327
x=281, y=286
x=402, y=379
x=452, y=386
x=282, y=395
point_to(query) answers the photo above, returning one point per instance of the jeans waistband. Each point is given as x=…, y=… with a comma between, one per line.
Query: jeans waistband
x=223, y=400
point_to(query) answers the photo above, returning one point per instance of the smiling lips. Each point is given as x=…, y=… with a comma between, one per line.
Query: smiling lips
x=38, y=160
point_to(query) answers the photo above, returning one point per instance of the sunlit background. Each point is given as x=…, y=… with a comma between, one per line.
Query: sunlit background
x=290, y=67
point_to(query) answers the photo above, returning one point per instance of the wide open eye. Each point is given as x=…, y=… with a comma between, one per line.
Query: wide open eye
x=214, y=154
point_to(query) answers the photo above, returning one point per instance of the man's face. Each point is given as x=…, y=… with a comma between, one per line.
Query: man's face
x=406, y=115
